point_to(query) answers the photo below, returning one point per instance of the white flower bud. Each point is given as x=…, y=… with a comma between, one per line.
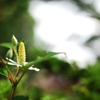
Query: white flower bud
x=14, y=40
x=9, y=53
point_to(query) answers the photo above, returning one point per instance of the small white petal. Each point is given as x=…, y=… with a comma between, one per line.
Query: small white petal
x=36, y=69
x=9, y=63
x=18, y=65
x=11, y=60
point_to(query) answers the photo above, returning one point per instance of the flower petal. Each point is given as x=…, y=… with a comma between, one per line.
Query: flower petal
x=11, y=62
x=36, y=69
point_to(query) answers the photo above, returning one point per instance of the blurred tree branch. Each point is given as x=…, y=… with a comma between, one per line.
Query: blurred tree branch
x=88, y=7
x=83, y=5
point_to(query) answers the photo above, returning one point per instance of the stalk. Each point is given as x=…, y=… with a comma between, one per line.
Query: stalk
x=13, y=91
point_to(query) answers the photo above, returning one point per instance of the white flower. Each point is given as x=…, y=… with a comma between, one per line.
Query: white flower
x=11, y=62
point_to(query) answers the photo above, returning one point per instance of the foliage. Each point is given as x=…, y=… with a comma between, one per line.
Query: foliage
x=62, y=81
x=15, y=69
x=78, y=83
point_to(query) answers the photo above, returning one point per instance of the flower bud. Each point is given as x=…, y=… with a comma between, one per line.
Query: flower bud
x=21, y=54
x=9, y=53
x=14, y=40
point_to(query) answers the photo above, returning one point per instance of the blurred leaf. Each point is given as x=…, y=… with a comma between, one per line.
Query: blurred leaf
x=54, y=96
x=3, y=72
x=50, y=54
x=40, y=59
x=5, y=87
x=21, y=97
x=7, y=45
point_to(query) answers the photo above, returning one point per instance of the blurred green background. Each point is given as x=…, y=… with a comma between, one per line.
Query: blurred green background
x=57, y=80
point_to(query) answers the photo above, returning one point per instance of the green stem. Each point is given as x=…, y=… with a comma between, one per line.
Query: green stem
x=15, y=51
x=15, y=86
x=10, y=74
x=21, y=76
x=17, y=72
x=13, y=91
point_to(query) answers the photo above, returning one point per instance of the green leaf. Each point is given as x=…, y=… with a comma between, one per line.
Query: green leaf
x=40, y=59
x=7, y=45
x=4, y=87
x=3, y=72
x=21, y=97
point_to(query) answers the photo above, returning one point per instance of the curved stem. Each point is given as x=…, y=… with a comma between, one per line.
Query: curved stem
x=13, y=91
x=15, y=51
x=10, y=75
x=21, y=76
x=14, y=86
x=17, y=72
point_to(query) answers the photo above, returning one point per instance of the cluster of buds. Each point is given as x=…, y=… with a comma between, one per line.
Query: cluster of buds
x=20, y=55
